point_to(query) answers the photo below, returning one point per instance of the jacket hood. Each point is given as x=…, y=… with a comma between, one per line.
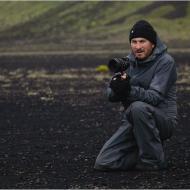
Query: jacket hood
x=158, y=50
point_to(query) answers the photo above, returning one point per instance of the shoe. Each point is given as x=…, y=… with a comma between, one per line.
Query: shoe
x=149, y=167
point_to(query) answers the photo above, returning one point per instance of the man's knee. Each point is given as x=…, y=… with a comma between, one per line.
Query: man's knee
x=102, y=164
x=138, y=107
x=98, y=164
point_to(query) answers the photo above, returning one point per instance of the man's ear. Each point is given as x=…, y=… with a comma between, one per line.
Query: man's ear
x=153, y=46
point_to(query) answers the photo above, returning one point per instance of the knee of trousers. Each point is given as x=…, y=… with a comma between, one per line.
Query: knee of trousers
x=104, y=161
x=100, y=163
x=139, y=108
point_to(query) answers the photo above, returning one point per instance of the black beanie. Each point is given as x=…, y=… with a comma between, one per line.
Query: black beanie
x=143, y=29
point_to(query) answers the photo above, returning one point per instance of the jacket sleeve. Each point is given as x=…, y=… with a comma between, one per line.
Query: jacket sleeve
x=165, y=76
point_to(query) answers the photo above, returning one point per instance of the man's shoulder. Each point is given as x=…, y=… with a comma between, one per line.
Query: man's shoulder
x=166, y=58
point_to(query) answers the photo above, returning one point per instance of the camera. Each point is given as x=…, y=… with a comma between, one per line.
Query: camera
x=116, y=65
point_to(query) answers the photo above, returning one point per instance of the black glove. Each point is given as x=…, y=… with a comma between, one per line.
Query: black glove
x=121, y=87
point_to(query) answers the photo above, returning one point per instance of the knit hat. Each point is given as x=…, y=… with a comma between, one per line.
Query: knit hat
x=143, y=29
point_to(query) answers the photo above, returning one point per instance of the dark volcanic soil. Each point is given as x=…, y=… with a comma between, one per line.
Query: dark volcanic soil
x=55, y=118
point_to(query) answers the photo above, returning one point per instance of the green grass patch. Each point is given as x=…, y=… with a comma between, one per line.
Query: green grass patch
x=36, y=24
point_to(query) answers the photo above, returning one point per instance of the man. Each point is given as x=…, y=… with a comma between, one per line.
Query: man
x=147, y=90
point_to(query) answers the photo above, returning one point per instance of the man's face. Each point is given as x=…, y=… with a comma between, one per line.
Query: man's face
x=141, y=48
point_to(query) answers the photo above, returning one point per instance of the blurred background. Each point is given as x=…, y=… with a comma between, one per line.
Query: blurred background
x=88, y=25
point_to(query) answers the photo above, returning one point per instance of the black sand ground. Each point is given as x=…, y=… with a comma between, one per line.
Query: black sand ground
x=55, y=118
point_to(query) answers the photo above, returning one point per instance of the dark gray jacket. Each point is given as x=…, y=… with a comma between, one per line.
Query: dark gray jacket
x=153, y=81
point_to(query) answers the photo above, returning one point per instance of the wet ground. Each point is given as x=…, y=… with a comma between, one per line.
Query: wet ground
x=55, y=118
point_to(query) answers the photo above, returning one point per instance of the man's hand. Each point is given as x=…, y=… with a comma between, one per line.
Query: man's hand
x=120, y=84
